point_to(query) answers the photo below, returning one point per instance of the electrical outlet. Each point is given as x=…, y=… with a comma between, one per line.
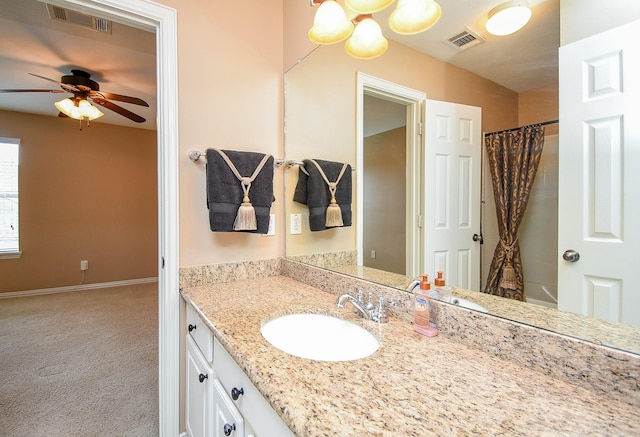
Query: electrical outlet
x=373, y=254
x=84, y=265
x=296, y=224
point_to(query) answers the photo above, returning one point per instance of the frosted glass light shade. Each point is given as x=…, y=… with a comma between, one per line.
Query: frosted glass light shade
x=68, y=108
x=367, y=6
x=330, y=24
x=83, y=109
x=95, y=113
x=414, y=16
x=367, y=41
x=508, y=18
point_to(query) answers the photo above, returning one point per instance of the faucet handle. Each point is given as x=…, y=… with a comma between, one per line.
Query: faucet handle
x=380, y=313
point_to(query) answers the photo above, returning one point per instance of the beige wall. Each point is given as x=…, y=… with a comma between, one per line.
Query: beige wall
x=230, y=96
x=84, y=195
x=385, y=200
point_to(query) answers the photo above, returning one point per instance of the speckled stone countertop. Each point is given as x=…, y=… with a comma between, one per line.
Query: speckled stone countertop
x=412, y=386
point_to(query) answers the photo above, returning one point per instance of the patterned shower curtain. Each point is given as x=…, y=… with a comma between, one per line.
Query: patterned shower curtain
x=513, y=158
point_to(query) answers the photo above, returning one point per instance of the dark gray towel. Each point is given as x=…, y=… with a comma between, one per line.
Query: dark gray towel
x=224, y=192
x=313, y=191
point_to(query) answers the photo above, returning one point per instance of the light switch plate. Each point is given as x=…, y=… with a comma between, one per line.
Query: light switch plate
x=272, y=225
x=296, y=224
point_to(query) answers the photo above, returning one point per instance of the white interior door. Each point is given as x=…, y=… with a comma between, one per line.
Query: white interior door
x=453, y=148
x=599, y=182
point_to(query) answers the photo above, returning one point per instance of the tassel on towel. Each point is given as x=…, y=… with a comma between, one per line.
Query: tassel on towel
x=237, y=202
x=313, y=191
x=334, y=213
x=246, y=216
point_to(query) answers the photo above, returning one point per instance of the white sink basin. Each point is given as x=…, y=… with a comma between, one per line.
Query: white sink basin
x=468, y=304
x=319, y=337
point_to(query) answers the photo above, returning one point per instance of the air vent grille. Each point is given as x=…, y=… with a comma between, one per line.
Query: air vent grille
x=465, y=40
x=87, y=21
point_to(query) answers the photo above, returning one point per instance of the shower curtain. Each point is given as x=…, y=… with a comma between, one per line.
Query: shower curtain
x=513, y=158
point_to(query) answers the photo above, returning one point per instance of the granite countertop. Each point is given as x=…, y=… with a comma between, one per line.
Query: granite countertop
x=412, y=386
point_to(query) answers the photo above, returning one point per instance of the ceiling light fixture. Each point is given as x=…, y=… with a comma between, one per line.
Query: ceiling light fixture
x=367, y=41
x=508, y=17
x=367, y=6
x=78, y=108
x=331, y=24
x=414, y=16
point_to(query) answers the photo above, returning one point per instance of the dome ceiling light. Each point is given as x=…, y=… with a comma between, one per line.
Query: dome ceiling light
x=508, y=17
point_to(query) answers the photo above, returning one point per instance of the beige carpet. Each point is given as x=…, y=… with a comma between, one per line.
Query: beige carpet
x=81, y=363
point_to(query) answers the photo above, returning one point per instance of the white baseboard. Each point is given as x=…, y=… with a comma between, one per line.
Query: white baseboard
x=76, y=287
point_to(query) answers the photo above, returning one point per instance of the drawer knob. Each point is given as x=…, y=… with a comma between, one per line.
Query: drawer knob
x=228, y=429
x=202, y=377
x=236, y=393
x=191, y=327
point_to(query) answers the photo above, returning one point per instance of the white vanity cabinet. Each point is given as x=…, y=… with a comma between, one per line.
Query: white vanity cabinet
x=260, y=420
x=220, y=398
x=199, y=377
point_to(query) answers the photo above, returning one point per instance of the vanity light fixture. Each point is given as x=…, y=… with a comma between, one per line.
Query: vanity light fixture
x=367, y=6
x=508, y=17
x=332, y=25
x=414, y=16
x=367, y=41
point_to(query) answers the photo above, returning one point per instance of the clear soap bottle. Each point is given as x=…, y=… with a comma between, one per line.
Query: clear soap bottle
x=422, y=307
x=443, y=292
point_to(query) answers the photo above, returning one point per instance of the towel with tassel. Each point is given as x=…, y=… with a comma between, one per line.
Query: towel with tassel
x=325, y=187
x=239, y=190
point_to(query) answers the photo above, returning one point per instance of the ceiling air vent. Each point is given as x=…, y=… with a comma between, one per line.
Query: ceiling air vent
x=87, y=21
x=465, y=40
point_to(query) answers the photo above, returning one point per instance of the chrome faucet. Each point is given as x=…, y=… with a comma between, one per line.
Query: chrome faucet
x=368, y=311
x=413, y=285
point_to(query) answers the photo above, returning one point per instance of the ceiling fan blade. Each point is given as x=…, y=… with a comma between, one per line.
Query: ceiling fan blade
x=62, y=115
x=66, y=87
x=119, y=97
x=32, y=91
x=119, y=109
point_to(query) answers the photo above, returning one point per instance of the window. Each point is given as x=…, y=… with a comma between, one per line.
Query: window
x=9, y=232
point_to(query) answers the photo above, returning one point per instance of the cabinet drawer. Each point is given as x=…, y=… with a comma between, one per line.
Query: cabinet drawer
x=251, y=404
x=227, y=421
x=200, y=333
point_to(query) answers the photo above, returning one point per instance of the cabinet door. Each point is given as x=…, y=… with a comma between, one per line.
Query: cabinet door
x=227, y=419
x=199, y=392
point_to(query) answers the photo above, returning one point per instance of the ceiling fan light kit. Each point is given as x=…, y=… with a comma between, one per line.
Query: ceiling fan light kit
x=508, y=17
x=367, y=41
x=83, y=88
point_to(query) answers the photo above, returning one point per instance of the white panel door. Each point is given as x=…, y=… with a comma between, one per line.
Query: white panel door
x=599, y=182
x=453, y=146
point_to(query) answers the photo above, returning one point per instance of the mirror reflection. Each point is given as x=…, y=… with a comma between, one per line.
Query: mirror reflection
x=327, y=116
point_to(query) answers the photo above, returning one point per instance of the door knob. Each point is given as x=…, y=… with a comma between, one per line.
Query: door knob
x=571, y=255
x=478, y=237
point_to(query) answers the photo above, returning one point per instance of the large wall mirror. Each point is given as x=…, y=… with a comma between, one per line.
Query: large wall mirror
x=325, y=118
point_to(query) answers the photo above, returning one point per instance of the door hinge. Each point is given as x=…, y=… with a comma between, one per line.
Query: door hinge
x=162, y=262
x=419, y=220
x=419, y=128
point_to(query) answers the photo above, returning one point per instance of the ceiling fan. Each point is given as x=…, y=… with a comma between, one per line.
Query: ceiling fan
x=83, y=88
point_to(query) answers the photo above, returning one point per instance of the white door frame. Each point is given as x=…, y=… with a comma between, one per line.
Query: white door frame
x=414, y=101
x=163, y=21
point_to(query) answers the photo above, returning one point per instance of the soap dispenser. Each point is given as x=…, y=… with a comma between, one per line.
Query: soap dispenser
x=422, y=307
x=442, y=291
